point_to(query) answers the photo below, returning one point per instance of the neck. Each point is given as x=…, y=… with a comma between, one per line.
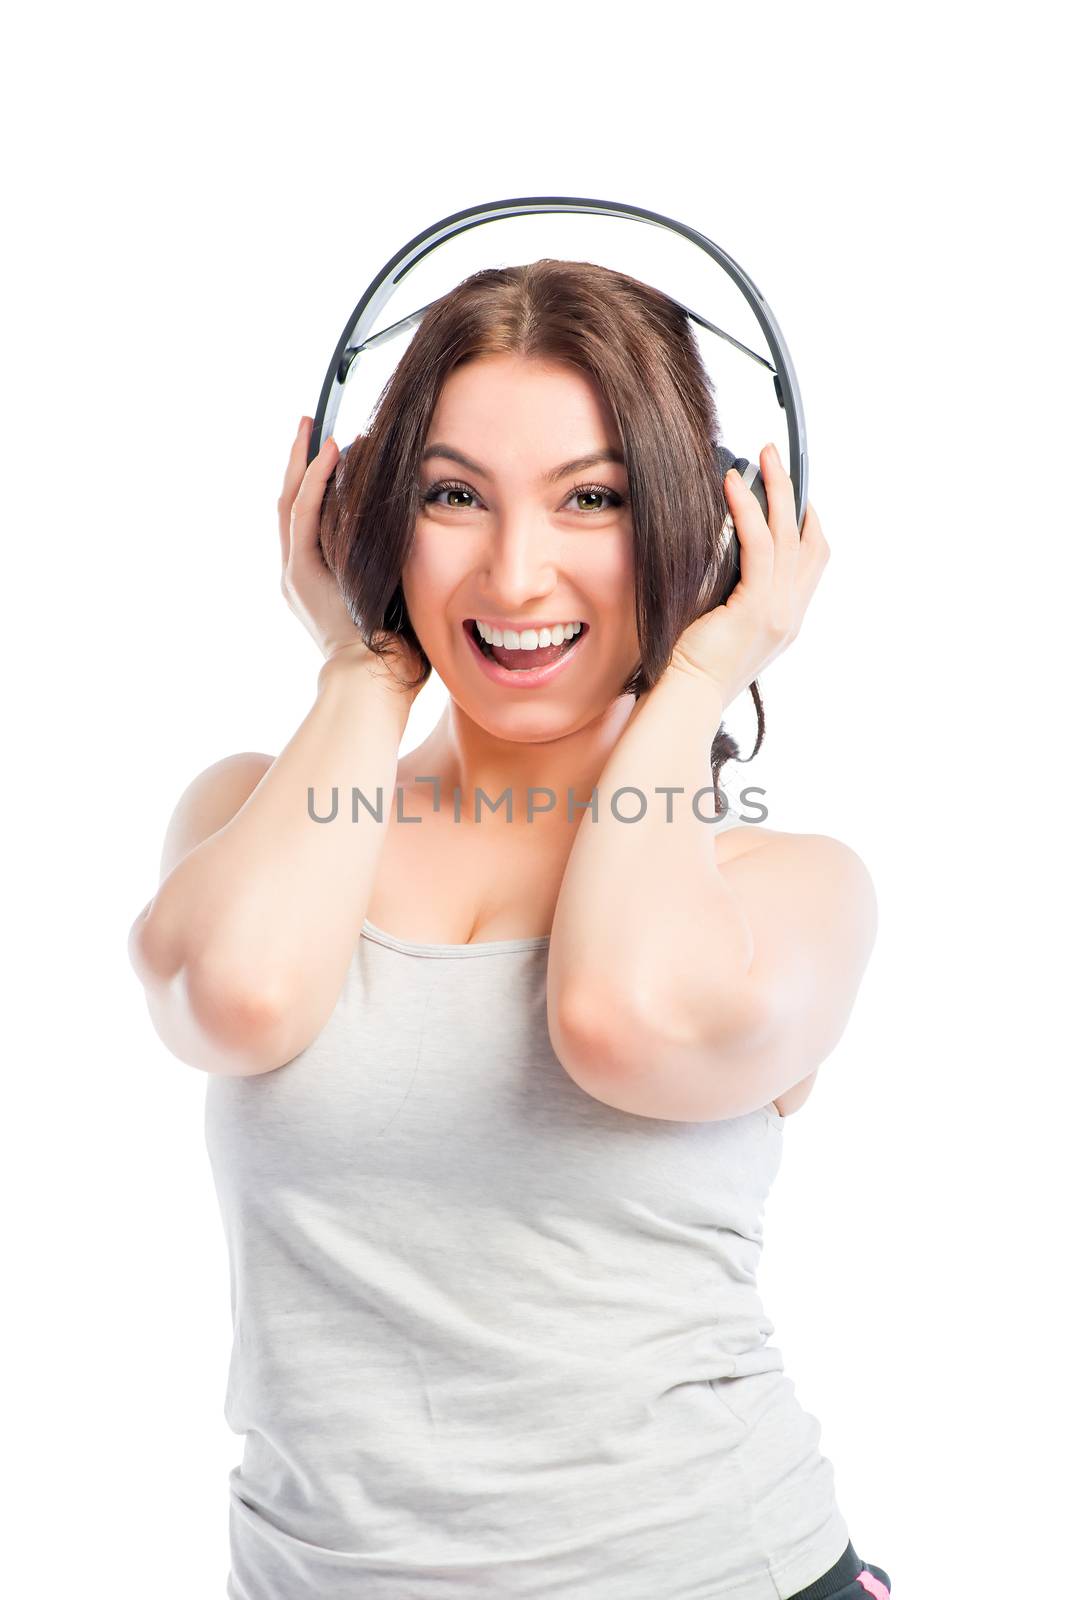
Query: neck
x=463, y=755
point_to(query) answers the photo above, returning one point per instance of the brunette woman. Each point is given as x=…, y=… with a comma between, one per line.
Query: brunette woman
x=500, y=1046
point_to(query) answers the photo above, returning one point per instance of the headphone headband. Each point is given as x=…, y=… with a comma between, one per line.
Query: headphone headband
x=357, y=336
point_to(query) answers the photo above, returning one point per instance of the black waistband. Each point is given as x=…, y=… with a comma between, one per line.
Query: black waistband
x=840, y=1576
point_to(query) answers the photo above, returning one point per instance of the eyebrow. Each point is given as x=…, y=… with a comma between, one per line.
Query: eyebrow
x=579, y=464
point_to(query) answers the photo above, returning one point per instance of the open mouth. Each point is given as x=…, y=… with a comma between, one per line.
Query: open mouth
x=522, y=660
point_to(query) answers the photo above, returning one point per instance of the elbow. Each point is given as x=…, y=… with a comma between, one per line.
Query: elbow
x=580, y=1035
x=223, y=995
x=616, y=1032
x=239, y=1027
x=599, y=1034
x=670, y=1066
x=213, y=1015
x=234, y=1009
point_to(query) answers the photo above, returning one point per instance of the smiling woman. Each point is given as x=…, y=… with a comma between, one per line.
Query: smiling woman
x=495, y=1102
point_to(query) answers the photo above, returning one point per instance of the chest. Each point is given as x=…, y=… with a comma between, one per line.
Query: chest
x=440, y=881
x=445, y=882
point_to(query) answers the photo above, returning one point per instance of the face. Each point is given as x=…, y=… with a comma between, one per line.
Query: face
x=508, y=537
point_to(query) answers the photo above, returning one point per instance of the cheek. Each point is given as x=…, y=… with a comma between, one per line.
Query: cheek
x=607, y=575
x=608, y=557
x=430, y=575
x=619, y=565
x=617, y=591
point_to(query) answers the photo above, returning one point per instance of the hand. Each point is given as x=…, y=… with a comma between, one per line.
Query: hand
x=780, y=569
x=310, y=588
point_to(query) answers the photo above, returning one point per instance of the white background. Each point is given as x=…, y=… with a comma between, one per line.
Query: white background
x=196, y=199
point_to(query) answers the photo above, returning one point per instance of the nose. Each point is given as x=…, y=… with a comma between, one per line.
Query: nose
x=521, y=561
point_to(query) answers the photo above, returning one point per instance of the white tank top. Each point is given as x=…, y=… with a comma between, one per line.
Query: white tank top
x=492, y=1336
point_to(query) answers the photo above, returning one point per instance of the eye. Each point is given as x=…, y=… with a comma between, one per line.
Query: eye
x=430, y=497
x=587, y=490
x=599, y=491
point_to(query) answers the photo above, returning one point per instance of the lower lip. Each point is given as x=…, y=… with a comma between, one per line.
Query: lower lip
x=529, y=678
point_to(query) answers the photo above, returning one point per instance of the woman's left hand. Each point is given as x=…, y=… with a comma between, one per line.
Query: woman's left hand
x=780, y=569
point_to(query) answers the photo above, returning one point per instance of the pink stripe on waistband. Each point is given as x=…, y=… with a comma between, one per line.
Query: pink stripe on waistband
x=873, y=1585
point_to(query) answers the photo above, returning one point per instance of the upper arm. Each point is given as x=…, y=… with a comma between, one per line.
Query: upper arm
x=208, y=804
x=811, y=904
x=204, y=806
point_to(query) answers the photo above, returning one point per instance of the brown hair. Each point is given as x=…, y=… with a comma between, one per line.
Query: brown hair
x=639, y=348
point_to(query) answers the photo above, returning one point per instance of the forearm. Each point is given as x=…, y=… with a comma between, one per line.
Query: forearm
x=647, y=935
x=273, y=902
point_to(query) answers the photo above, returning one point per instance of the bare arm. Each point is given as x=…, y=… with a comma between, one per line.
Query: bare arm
x=729, y=984
x=685, y=989
x=678, y=988
x=244, y=947
x=682, y=1046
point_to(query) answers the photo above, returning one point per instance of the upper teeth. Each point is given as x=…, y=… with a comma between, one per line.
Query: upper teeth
x=530, y=638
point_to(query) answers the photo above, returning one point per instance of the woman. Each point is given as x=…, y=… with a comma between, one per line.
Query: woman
x=500, y=1047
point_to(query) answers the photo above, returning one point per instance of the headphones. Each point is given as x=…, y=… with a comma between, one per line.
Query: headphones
x=357, y=336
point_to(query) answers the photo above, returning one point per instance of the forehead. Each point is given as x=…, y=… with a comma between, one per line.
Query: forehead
x=522, y=410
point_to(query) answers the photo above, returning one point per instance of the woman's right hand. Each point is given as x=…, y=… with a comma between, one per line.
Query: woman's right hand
x=309, y=587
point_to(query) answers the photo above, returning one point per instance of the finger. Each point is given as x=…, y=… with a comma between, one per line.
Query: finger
x=754, y=535
x=782, y=522
x=782, y=518
x=307, y=506
x=298, y=458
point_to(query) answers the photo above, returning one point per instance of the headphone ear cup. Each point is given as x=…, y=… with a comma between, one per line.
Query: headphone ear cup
x=728, y=548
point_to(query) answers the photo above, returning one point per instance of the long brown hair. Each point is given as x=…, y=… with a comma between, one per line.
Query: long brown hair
x=639, y=348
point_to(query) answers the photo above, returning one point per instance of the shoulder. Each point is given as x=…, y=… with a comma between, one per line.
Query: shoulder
x=209, y=802
x=804, y=853
x=795, y=883
x=811, y=903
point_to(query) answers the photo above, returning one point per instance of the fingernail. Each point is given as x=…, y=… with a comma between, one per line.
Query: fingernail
x=775, y=453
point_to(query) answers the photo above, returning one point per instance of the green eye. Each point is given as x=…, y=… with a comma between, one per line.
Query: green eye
x=604, y=494
x=600, y=490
